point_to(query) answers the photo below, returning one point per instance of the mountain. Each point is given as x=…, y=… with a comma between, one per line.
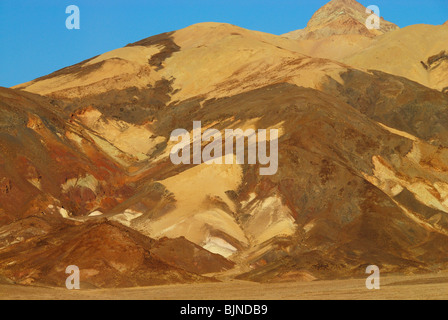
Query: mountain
x=86, y=176
x=53, y=174
x=341, y=17
x=337, y=31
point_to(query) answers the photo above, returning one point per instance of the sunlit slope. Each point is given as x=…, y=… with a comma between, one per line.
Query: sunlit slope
x=362, y=157
x=209, y=59
x=406, y=52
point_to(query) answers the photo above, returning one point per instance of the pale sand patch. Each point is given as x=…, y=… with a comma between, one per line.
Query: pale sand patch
x=236, y=65
x=88, y=181
x=399, y=132
x=270, y=218
x=309, y=226
x=219, y=246
x=387, y=180
x=126, y=217
x=138, y=141
x=192, y=186
x=35, y=182
x=138, y=54
x=415, y=154
x=192, y=216
x=64, y=213
x=112, y=70
x=414, y=216
x=116, y=154
x=252, y=196
x=432, y=194
x=95, y=214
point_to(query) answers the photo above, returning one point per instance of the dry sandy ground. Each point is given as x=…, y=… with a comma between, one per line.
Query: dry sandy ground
x=421, y=287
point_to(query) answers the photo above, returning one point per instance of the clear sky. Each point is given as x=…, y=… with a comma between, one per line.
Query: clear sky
x=34, y=40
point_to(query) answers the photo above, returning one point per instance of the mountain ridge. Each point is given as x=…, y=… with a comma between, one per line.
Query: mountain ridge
x=362, y=176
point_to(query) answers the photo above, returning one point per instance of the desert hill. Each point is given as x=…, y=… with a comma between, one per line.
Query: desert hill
x=403, y=52
x=362, y=165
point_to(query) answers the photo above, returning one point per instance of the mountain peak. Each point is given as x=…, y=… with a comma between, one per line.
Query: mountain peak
x=340, y=17
x=353, y=4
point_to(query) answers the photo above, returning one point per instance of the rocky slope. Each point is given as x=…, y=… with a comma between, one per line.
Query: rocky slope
x=341, y=17
x=86, y=176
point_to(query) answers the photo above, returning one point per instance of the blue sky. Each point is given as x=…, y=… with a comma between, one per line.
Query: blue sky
x=34, y=40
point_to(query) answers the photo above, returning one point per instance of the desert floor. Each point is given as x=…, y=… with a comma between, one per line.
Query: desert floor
x=430, y=286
